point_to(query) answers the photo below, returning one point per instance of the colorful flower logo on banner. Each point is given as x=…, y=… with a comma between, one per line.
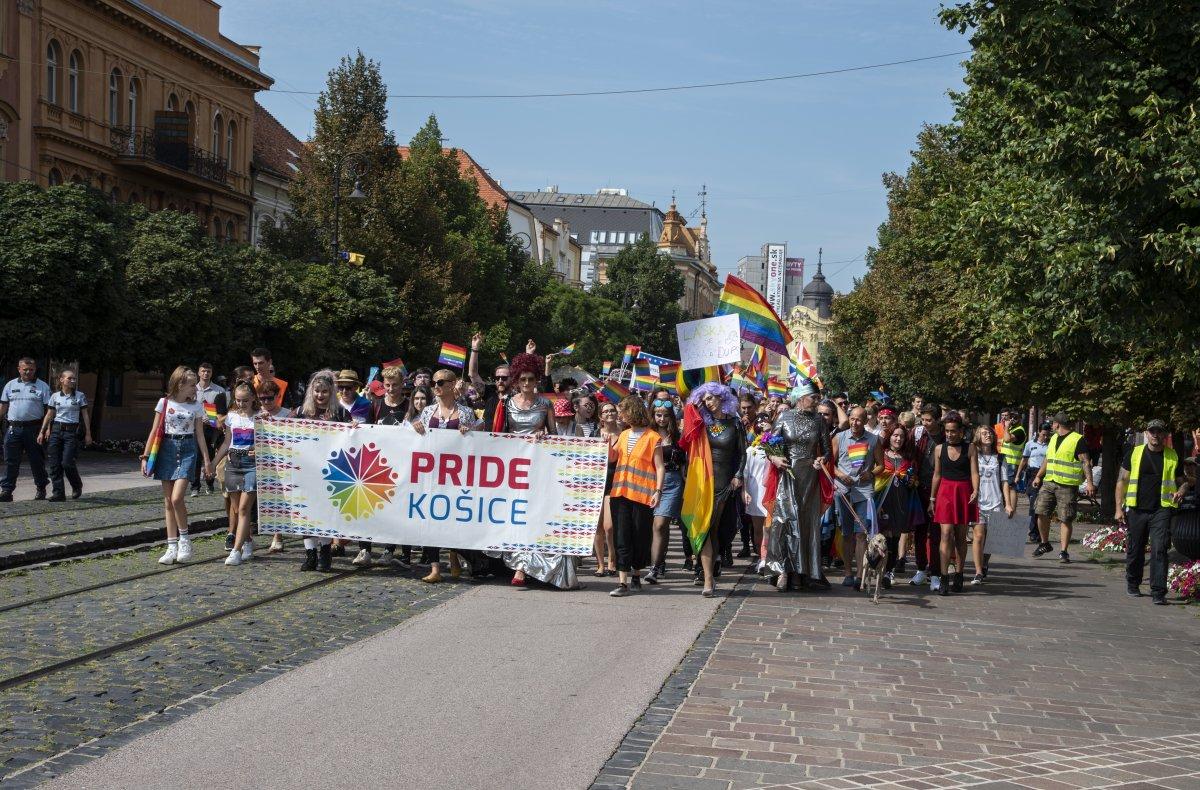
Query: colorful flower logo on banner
x=359, y=481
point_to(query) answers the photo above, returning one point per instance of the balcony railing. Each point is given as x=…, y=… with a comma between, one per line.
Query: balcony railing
x=165, y=147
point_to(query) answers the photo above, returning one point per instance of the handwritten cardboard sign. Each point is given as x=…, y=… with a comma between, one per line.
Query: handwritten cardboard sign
x=709, y=341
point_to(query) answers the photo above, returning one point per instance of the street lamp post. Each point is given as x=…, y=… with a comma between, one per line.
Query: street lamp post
x=356, y=161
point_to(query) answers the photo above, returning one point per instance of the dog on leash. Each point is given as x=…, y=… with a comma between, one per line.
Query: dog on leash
x=874, y=565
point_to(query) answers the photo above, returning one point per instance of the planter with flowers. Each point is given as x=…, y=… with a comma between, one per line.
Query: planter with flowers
x=1109, y=539
x=1184, y=580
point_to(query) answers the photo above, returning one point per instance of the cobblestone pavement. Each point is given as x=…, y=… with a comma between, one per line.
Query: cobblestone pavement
x=51, y=716
x=1048, y=676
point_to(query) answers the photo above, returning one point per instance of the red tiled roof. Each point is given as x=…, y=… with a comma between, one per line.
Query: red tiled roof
x=489, y=189
x=275, y=148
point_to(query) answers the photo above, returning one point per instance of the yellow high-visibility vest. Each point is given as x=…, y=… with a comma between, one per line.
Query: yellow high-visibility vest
x=1170, y=464
x=1012, y=450
x=1062, y=465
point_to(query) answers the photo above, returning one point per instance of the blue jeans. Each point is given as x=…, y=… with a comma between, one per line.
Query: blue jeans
x=60, y=452
x=18, y=439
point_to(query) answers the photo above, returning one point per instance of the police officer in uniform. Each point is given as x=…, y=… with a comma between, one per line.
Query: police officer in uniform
x=23, y=401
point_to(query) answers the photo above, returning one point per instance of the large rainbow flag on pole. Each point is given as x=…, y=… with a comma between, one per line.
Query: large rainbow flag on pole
x=643, y=379
x=760, y=323
x=452, y=355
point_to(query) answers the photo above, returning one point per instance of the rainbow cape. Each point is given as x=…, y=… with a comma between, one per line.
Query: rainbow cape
x=698, y=489
x=452, y=355
x=760, y=323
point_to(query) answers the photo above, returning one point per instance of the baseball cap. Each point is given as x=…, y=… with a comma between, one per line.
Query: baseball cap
x=1156, y=425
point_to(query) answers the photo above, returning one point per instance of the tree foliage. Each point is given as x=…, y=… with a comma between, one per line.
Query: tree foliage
x=1042, y=248
x=645, y=283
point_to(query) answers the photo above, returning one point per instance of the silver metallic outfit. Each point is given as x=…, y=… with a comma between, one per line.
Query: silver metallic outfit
x=794, y=537
x=556, y=569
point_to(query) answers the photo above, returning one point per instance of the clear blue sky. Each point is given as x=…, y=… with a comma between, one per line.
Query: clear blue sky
x=796, y=161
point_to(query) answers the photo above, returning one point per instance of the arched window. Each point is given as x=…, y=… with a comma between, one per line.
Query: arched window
x=73, y=70
x=216, y=228
x=53, y=64
x=230, y=236
x=114, y=97
x=193, y=132
x=132, y=102
x=115, y=195
x=172, y=103
x=54, y=178
x=230, y=137
x=218, y=134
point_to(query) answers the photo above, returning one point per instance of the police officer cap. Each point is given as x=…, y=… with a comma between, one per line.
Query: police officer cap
x=1156, y=425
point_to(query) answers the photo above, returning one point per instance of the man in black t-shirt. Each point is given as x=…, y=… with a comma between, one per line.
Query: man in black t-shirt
x=1152, y=507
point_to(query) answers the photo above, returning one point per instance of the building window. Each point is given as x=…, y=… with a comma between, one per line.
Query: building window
x=114, y=97
x=53, y=61
x=216, y=229
x=54, y=178
x=230, y=137
x=73, y=69
x=594, y=238
x=230, y=233
x=132, y=103
x=218, y=134
x=621, y=237
x=190, y=109
x=172, y=103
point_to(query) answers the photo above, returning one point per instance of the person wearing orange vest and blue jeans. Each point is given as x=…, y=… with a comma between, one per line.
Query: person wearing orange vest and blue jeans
x=637, y=486
x=1149, y=490
x=1067, y=466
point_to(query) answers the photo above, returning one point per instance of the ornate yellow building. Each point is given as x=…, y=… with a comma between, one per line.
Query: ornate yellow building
x=143, y=99
x=812, y=319
x=688, y=249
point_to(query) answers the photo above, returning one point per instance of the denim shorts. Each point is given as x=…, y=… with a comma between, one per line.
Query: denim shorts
x=176, y=458
x=670, y=502
x=846, y=521
x=239, y=472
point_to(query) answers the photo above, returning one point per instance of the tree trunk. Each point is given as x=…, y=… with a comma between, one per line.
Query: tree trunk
x=1110, y=460
x=99, y=402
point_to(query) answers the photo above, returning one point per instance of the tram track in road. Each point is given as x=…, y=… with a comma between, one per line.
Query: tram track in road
x=83, y=506
x=130, y=644
x=85, y=530
x=114, y=582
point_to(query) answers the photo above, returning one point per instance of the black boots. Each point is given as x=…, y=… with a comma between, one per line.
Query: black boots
x=325, y=558
x=310, y=560
x=958, y=582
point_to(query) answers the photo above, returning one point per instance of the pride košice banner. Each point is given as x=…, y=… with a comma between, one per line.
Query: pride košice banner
x=389, y=484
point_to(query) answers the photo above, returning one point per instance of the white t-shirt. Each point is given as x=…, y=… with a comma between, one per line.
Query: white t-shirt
x=179, y=417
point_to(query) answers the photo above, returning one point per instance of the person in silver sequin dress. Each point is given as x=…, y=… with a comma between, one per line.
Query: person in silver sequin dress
x=794, y=535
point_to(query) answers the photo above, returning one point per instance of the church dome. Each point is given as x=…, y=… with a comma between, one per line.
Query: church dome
x=818, y=294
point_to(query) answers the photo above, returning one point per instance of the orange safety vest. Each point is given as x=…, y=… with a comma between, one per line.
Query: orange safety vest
x=636, y=478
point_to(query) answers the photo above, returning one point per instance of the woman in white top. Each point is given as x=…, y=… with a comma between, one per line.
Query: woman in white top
x=240, y=482
x=993, y=495
x=181, y=422
x=755, y=483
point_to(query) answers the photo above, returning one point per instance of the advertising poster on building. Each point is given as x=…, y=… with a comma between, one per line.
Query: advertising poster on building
x=776, y=263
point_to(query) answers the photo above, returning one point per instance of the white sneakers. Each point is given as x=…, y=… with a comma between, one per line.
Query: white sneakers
x=170, y=556
x=234, y=558
x=920, y=577
x=185, y=549
x=363, y=558
x=935, y=584
x=247, y=550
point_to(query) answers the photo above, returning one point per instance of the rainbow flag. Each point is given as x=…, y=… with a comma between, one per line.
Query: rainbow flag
x=631, y=351
x=452, y=355
x=396, y=363
x=643, y=379
x=857, y=453
x=698, y=491
x=807, y=366
x=668, y=376
x=757, y=376
x=697, y=376
x=758, y=358
x=156, y=442
x=760, y=323
x=777, y=387
x=606, y=367
x=566, y=352
x=739, y=382
x=210, y=414
x=614, y=391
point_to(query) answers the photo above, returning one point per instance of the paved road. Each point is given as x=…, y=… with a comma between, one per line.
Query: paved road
x=498, y=687
x=100, y=472
x=1048, y=677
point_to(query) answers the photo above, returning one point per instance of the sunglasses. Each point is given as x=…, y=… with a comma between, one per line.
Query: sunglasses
x=440, y=382
x=662, y=404
x=500, y=378
x=345, y=387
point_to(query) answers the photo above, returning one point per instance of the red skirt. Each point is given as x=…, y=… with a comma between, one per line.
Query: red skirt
x=954, y=505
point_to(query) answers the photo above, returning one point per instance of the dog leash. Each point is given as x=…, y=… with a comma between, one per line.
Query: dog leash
x=845, y=501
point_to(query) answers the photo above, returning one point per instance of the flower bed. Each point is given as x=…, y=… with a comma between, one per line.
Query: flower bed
x=1184, y=580
x=1107, y=539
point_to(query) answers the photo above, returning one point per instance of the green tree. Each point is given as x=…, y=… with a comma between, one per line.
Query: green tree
x=59, y=262
x=647, y=286
x=596, y=325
